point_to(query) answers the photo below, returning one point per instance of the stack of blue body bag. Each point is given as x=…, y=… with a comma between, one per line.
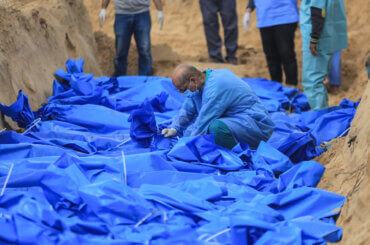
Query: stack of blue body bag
x=93, y=168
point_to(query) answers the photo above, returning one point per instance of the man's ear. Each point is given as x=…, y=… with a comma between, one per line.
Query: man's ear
x=193, y=80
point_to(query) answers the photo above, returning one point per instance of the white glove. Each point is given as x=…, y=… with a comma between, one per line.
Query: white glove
x=160, y=19
x=102, y=14
x=247, y=21
x=169, y=132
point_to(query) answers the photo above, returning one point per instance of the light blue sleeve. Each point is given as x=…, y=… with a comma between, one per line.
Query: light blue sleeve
x=213, y=107
x=186, y=116
x=321, y=4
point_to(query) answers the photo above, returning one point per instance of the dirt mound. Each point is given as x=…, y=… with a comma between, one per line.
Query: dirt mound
x=348, y=172
x=36, y=38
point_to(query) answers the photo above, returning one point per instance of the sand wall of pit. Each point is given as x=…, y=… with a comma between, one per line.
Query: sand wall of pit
x=36, y=39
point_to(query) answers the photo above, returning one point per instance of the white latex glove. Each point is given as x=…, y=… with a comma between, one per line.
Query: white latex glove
x=160, y=19
x=169, y=132
x=102, y=14
x=247, y=21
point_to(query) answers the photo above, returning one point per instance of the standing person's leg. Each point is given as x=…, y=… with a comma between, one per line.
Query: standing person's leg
x=123, y=29
x=335, y=76
x=210, y=10
x=142, y=38
x=314, y=71
x=229, y=18
x=271, y=53
x=284, y=36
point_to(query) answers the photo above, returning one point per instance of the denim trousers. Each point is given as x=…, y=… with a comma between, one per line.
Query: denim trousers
x=126, y=25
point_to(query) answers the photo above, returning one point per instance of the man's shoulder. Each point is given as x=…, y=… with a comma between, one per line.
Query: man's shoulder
x=225, y=77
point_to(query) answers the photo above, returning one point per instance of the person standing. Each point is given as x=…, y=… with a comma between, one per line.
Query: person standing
x=229, y=19
x=277, y=21
x=132, y=18
x=324, y=31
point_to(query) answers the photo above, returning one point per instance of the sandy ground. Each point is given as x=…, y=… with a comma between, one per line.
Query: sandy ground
x=37, y=37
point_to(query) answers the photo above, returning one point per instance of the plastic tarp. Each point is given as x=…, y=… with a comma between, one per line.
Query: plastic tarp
x=96, y=170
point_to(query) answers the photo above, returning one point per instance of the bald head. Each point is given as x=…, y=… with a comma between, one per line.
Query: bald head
x=183, y=75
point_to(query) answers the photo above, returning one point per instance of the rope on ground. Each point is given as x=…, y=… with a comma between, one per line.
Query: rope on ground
x=34, y=123
x=124, y=142
x=7, y=179
x=217, y=234
x=145, y=218
x=328, y=145
x=124, y=167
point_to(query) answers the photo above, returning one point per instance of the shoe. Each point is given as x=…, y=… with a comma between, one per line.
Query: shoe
x=215, y=60
x=233, y=61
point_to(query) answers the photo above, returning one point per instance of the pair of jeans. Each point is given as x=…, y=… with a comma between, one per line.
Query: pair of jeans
x=229, y=19
x=278, y=45
x=126, y=25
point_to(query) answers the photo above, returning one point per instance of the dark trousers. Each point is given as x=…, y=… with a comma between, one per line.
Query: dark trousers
x=229, y=19
x=278, y=45
x=126, y=25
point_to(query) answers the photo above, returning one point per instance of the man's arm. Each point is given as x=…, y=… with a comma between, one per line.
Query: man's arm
x=160, y=16
x=158, y=4
x=317, y=20
x=186, y=116
x=212, y=109
x=103, y=11
x=104, y=4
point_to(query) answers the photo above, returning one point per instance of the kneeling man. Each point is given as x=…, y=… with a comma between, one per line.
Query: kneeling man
x=219, y=102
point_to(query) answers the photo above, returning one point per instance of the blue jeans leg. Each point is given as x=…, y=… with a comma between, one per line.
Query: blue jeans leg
x=142, y=39
x=123, y=30
x=335, y=76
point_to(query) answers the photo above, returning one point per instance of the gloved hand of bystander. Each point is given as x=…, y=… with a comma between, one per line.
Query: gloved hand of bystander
x=247, y=21
x=102, y=14
x=160, y=19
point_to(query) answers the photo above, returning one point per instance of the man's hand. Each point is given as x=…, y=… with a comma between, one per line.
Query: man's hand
x=247, y=21
x=102, y=14
x=313, y=49
x=160, y=19
x=169, y=132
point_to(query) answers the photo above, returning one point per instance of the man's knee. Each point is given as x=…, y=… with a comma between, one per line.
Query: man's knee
x=222, y=133
x=218, y=127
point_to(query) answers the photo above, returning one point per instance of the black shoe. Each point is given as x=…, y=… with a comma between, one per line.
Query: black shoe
x=216, y=60
x=233, y=61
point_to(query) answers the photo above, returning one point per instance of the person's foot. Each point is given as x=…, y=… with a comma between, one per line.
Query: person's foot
x=333, y=89
x=233, y=61
x=216, y=60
